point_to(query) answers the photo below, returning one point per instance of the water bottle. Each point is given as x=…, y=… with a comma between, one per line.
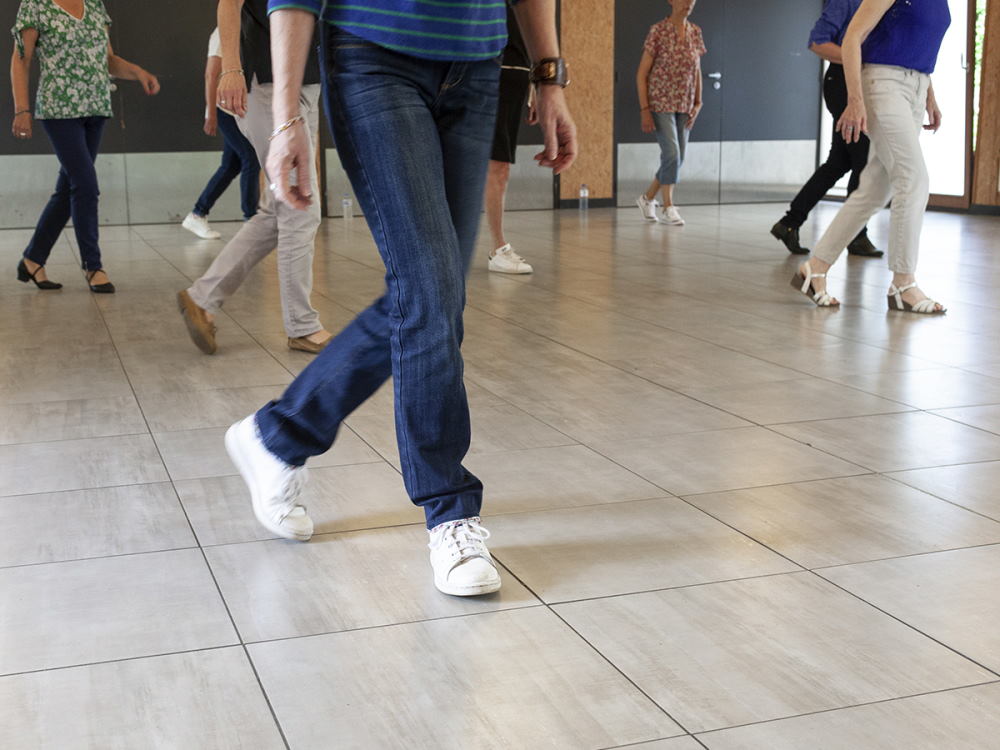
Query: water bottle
x=584, y=197
x=347, y=206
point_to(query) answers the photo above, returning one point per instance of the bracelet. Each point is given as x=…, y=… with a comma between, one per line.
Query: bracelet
x=644, y=109
x=285, y=126
x=23, y=112
x=227, y=72
x=551, y=71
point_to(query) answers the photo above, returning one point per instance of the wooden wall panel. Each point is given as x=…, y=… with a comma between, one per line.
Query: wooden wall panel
x=588, y=39
x=986, y=174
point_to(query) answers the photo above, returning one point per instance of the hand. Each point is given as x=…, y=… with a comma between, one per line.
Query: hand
x=693, y=115
x=648, y=125
x=148, y=81
x=21, y=127
x=558, y=130
x=289, y=155
x=934, y=115
x=232, y=94
x=853, y=122
x=211, y=125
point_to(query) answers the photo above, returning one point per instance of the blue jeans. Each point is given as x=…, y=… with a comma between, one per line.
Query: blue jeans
x=414, y=137
x=672, y=135
x=238, y=158
x=76, y=142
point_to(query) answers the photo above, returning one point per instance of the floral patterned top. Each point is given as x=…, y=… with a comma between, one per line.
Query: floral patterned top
x=676, y=66
x=73, y=55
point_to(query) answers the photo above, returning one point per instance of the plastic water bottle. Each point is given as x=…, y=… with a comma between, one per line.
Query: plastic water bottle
x=347, y=206
x=584, y=197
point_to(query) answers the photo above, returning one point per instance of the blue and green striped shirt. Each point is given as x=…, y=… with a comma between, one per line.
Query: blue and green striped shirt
x=431, y=29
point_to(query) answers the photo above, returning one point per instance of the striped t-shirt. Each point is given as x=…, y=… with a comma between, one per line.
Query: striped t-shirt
x=431, y=29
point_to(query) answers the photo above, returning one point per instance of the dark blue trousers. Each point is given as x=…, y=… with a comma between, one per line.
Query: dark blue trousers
x=238, y=158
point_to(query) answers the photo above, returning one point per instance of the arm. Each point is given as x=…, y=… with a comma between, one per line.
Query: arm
x=232, y=87
x=291, y=37
x=537, y=20
x=119, y=67
x=854, y=121
x=212, y=69
x=933, y=113
x=642, y=88
x=19, y=69
x=829, y=51
x=693, y=115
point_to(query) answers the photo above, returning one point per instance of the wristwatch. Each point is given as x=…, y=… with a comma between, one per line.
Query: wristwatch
x=550, y=71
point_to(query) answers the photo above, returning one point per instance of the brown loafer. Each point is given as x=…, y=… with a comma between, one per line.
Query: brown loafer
x=201, y=329
x=303, y=344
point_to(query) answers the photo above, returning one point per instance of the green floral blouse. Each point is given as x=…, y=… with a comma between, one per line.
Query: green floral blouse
x=73, y=55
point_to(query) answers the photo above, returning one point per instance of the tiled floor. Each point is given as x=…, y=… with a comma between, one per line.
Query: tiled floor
x=726, y=519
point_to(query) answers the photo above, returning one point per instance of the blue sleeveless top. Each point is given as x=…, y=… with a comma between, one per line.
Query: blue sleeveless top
x=909, y=35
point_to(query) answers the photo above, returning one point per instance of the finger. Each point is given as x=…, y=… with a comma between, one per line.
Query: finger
x=551, y=139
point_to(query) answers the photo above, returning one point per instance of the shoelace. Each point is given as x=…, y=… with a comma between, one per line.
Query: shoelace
x=292, y=486
x=510, y=254
x=463, y=539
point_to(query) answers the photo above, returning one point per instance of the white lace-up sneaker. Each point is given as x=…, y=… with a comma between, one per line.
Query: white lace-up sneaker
x=670, y=215
x=274, y=485
x=462, y=564
x=647, y=207
x=505, y=260
x=199, y=226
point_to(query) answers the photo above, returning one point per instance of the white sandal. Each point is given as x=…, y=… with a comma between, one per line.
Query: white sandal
x=923, y=307
x=803, y=283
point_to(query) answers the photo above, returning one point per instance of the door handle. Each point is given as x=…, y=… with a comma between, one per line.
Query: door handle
x=716, y=76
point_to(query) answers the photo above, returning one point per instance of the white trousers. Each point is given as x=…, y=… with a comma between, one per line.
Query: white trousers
x=275, y=225
x=895, y=99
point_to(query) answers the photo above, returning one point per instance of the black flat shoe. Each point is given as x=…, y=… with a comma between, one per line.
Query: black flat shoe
x=789, y=237
x=106, y=288
x=24, y=275
x=863, y=246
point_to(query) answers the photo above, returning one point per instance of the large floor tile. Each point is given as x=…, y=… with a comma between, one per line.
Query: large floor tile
x=984, y=417
x=895, y=442
x=930, y=389
x=621, y=548
x=973, y=486
x=195, y=454
x=281, y=589
x=188, y=372
x=723, y=460
x=339, y=498
x=67, y=420
x=208, y=700
x=30, y=468
x=174, y=412
x=70, y=613
x=504, y=680
x=559, y=477
x=91, y=523
x=726, y=654
x=965, y=718
x=836, y=521
x=950, y=596
x=794, y=401
x=675, y=743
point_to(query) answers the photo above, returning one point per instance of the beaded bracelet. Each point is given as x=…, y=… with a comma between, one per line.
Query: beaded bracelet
x=23, y=112
x=285, y=126
x=227, y=72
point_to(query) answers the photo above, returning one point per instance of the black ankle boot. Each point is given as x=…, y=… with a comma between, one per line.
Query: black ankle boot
x=789, y=237
x=863, y=246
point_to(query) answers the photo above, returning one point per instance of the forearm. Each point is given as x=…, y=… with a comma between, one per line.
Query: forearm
x=828, y=51
x=642, y=89
x=19, y=82
x=851, y=60
x=537, y=21
x=228, y=20
x=291, y=39
x=212, y=70
x=697, y=88
x=119, y=67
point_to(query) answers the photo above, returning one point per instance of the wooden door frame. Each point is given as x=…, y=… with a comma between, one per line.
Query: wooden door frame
x=964, y=202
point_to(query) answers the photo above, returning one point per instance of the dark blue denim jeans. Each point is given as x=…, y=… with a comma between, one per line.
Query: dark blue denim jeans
x=238, y=158
x=76, y=143
x=414, y=137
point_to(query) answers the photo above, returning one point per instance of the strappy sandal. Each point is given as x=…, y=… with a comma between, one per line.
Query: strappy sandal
x=105, y=288
x=802, y=282
x=923, y=307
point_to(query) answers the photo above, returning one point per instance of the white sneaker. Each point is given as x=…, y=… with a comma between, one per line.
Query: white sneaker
x=670, y=215
x=462, y=564
x=199, y=226
x=647, y=207
x=274, y=485
x=505, y=260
